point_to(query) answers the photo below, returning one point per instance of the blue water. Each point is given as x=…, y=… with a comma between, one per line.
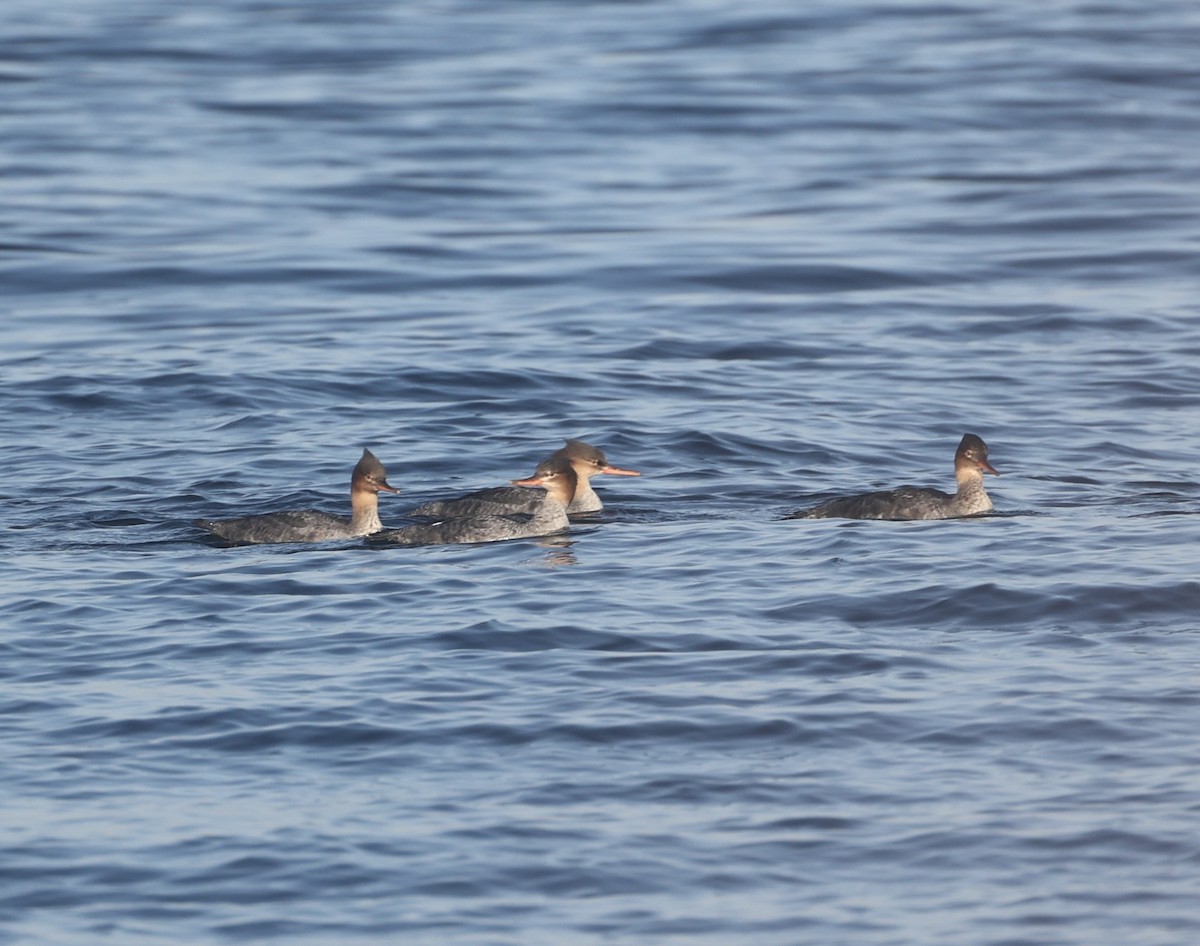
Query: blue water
x=764, y=253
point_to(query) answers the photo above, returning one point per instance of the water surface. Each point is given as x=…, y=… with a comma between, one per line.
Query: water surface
x=763, y=254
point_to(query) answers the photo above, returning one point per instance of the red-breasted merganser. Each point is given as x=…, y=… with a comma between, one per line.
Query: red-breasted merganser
x=311, y=525
x=914, y=502
x=586, y=460
x=556, y=477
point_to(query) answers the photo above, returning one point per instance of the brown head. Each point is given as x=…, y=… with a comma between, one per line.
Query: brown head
x=370, y=476
x=972, y=454
x=588, y=460
x=556, y=476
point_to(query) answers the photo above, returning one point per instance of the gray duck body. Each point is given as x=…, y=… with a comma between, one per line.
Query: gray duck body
x=313, y=525
x=917, y=502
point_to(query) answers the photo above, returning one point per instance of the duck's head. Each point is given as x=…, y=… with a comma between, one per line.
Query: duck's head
x=370, y=476
x=972, y=454
x=556, y=476
x=588, y=460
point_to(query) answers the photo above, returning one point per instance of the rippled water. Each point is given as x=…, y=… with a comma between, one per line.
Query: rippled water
x=764, y=253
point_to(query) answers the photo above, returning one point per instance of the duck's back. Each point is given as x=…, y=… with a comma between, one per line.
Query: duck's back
x=498, y=501
x=294, y=525
x=503, y=501
x=549, y=517
x=904, y=502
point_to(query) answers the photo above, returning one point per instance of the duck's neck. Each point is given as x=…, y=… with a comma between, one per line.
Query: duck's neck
x=584, y=498
x=364, y=512
x=971, y=495
x=562, y=491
